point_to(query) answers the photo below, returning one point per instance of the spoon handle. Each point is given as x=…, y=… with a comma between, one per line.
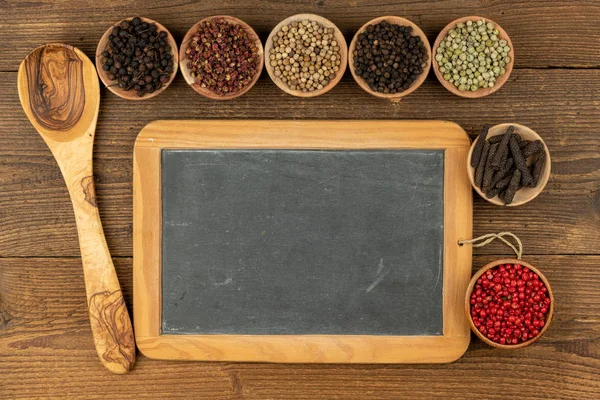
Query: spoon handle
x=111, y=325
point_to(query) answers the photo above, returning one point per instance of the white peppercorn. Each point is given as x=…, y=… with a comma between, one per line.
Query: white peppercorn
x=306, y=54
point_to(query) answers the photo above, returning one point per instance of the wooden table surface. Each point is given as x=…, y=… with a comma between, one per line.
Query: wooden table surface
x=46, y=347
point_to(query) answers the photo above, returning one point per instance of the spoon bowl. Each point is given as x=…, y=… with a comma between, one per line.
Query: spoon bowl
x=58, y=98
x=59, y=91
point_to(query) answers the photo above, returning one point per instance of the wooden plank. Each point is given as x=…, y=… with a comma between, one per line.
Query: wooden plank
x=561, y=105
x=538, y=28
x=47, y=350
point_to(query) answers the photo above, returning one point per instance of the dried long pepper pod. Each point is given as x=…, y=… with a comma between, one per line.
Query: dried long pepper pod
x=495, y=139
x=520, y=162
x=477, y=150
x=503, y=183
x=481, y=166
x=524, y=143
x=503, y=148
x=513, y=186
x=498, y=139
x=532, y=148
x=502, y=172
x=538, y=167
x=493, y=192
x=488, y=172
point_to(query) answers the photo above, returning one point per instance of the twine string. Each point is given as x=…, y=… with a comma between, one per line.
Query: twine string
x=490, y=237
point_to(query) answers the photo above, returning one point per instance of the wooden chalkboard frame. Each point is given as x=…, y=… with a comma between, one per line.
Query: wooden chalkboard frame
x=330, y=135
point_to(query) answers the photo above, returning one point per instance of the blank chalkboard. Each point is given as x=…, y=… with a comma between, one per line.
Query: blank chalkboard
x=294, y=242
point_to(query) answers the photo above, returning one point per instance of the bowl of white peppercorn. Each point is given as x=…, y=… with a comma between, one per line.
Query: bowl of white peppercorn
x=473, y=57
x=306, y=55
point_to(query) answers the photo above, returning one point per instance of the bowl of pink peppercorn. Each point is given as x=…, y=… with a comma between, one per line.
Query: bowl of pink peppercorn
x=509, y=304
x=221, y=57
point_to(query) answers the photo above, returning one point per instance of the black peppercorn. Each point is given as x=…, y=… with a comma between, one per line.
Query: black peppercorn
x=388, y=58
x=138, y=56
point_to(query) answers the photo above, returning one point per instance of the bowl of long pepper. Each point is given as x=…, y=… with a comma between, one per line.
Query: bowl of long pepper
x=508, y=164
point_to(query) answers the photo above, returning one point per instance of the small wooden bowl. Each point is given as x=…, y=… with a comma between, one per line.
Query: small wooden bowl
x=396, y=21
x=339, y=39
x=113, y=86
x=483, y=91
x=183, y=61
x=525, y=194
x=483, y=270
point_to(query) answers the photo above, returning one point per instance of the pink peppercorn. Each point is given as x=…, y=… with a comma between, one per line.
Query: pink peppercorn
x=222, y=57
x=509, y=304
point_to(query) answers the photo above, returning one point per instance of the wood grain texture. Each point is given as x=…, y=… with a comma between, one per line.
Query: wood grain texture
x=45, y=345
x=55, y=87
x=59, y=92
x=537, y=27
x=45, y=348
x=350, y=134
x=560, y=105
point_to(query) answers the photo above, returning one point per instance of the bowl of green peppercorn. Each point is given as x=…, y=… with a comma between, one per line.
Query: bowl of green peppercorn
x=136, y=58
x=473, y=57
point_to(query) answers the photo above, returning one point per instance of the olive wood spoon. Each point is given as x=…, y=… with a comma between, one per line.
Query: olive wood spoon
x=59, y=91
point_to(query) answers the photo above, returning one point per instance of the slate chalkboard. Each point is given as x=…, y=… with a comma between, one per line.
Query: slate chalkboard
x=302, y=242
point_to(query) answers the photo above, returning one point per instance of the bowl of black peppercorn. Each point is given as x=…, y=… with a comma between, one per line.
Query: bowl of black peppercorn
x=389, y=57
x=137, y=58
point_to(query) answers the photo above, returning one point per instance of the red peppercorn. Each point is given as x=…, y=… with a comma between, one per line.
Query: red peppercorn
x=223, y=57
x=509, y=304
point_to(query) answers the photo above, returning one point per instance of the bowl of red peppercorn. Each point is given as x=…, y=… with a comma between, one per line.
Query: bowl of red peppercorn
x=509, y=304
x=136, y=58
x=221, y=57
x=389, y=57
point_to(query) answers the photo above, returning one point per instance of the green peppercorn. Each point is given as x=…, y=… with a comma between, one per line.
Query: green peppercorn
x=473, y=49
